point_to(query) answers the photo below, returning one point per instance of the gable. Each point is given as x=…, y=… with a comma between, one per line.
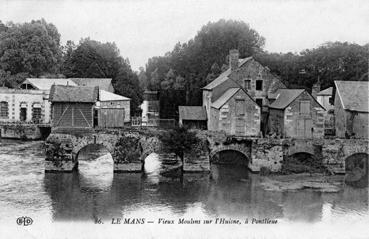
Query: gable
x=354, y=95
x=252, y=69
x=230, y=94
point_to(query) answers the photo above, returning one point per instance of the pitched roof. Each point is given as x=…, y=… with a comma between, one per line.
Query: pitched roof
x=224, y=76
x=327, y=91
x=108, y=96
x=46, y=83
x=285, y=97
x=353, y=95
x=102, y=83
x=192, y=112
x=224, y=98
x=59, y=93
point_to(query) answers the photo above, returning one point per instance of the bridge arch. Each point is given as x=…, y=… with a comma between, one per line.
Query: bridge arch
x=235, y=148
x=356, y=167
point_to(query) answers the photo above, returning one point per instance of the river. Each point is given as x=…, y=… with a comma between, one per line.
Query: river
x=67, y=205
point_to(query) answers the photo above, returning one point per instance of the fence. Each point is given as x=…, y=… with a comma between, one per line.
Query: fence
x=159, y=123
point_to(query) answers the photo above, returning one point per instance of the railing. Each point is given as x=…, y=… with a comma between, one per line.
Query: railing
x=160, y=123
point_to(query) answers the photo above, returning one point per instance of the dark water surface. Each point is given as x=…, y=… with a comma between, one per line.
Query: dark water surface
x=79, y=198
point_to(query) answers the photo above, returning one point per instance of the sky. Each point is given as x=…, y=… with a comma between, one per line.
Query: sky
x=145, y=28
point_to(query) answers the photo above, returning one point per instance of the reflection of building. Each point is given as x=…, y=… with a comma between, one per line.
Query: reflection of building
x=295, y=113
x=192, y=116
x=351, y=109
x=150, y=106
x=233, y=92
x=24, y=105
x=73, y=106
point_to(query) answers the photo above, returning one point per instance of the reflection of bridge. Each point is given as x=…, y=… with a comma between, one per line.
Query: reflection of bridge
x=130, y=147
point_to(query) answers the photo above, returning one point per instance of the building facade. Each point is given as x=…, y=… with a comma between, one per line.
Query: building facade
x=73, y=106
x=150, y=107
x=254, y=79
x=29, y=106
x=112, y=110
x=324, y=98
x=235, y=113
x=351, y=109
x=296, y=114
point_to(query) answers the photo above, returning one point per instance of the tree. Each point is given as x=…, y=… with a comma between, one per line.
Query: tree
x=93, y=59
x=142, y=78
x=32, y=48
x=179, y=140
x=193, y=60
x=214, y=73
x=169, y=80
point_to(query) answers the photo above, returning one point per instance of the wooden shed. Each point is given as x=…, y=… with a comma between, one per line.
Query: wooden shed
x=192, y=116
x=112, y=110
x=72, y=106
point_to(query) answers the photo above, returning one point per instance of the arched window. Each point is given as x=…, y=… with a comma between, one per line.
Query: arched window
x=36, y=113
x=4, y=109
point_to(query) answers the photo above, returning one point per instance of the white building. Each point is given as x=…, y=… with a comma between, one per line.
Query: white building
x=324, y=96
x=24, y=106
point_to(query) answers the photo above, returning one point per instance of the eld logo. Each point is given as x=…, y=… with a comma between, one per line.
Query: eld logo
x=24, y=221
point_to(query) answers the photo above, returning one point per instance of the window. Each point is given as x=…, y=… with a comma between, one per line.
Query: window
x=23, y=114
x=247, y=84
x=4, y=109
x=259, y=102
x=304, y=107
x=259, y=85
x=36, y=113
x=240, y=107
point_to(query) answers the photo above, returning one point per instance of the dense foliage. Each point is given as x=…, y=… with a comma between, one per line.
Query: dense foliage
x=187, y=66
x=179, y=140
x=33, y=50
x=329, y=62
x=28, y=49
x=93, y=59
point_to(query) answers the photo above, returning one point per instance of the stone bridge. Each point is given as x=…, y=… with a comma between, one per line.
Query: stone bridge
x=130, y=147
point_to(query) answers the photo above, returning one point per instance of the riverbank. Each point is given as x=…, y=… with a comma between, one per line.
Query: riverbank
x=292, y=182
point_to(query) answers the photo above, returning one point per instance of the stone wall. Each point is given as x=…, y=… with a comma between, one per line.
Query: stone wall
x=20, y=131
x=130, y=148
x=266, y=153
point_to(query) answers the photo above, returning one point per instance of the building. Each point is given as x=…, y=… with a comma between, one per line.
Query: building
x=29, y=106
x=102, y=83
x=192, y=117
x=112, y=110
x=150, y=107
x=250, y=76
x=44, y=83
x=295, y=113
x=351, y=109
x=235, y=113
x=73, y=106
x=324, y=98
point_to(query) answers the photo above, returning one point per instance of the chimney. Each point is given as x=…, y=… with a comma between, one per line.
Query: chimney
x=233, y=59
x=316, y=89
